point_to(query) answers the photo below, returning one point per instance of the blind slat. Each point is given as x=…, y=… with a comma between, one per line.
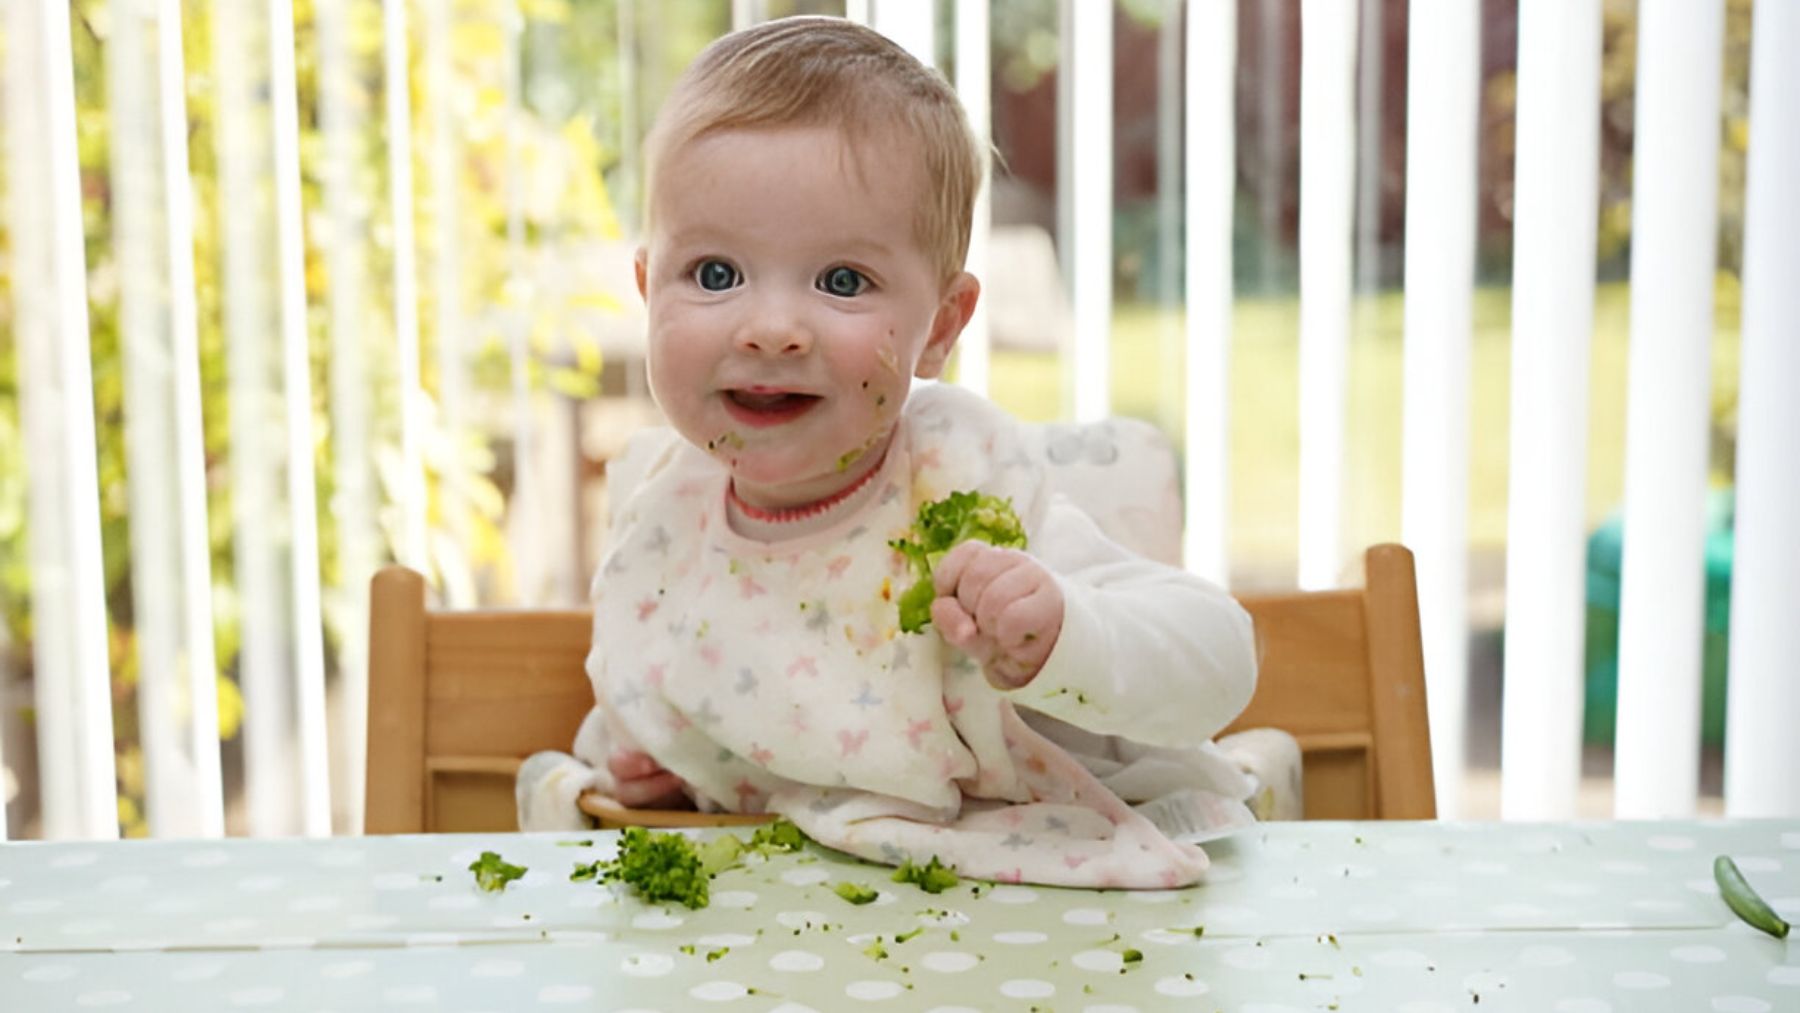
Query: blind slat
x=1327, y=173
x=397, y=110
x=1211, y=183
x=1443, y=68
x=348, y=218
x=1673, y=238
x=302, y=486
x=153, y=234
x=973, y=83
x=454, y=511
x=1761, y=750
x=50, y=331
x=1553, y=321
x=1085, y=147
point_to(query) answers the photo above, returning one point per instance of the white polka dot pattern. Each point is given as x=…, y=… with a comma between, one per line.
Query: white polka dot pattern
x=1595, y=918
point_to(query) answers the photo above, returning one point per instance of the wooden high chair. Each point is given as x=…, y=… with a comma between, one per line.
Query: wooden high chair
x=457, y=699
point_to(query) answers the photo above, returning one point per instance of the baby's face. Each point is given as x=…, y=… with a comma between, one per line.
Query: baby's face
x=791, y=305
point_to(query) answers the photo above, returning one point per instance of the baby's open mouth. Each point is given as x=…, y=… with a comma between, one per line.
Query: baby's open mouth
x=768, y=407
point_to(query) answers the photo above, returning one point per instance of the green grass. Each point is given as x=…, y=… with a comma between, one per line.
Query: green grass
x=1148, y=369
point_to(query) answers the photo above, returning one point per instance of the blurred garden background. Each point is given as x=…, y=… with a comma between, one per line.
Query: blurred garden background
x=526, y=125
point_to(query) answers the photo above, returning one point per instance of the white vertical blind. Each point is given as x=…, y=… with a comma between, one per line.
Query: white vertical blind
x=910, y=23
x=347, y=217
x=296, y=370
x=446, y=300
x=1167, y=253
x=50, y=334
x=153, y=233
x=1674, y=224
x=974, y=84
x=247, y=226
x=1761, y=750
x=745, y=13
x=202, y=691
x=1085, y=143
x=1211, y=183
x=1443, y=68
x=1557, y=190
x=530, y=553
x=1327, y=173
x=412, y=549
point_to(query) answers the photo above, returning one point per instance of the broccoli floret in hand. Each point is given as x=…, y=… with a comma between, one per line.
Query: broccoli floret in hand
x=941, y=526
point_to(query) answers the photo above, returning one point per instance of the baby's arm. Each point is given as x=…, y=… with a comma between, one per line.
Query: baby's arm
x=1131, y=648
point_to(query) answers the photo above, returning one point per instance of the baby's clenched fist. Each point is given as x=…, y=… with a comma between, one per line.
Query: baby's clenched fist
x=1000, y=607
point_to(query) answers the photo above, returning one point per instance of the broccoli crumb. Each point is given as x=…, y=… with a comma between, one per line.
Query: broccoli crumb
x=492, y=872
x=932, y=877
x=855, y=893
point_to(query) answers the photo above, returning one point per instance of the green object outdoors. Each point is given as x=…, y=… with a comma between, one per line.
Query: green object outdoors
x=1605, y=552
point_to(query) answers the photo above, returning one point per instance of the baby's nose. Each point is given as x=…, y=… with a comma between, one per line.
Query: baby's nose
x=781, y=339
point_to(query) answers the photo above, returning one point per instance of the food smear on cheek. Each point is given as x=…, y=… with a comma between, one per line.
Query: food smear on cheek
x=856, y=454
x=724, y=442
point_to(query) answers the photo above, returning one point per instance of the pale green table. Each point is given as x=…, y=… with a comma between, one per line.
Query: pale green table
x=1409, y=917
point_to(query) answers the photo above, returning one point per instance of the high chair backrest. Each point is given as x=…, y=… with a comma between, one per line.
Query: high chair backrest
x=458, y=699
x=1344, y=673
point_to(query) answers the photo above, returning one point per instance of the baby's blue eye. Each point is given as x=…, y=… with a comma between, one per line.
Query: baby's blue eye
x=843, y=281
x=716, y=275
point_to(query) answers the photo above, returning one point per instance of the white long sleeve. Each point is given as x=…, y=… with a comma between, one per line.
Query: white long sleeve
x=1147, y=652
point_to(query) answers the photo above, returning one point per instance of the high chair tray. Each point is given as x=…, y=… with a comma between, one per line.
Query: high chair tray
x=612, y=815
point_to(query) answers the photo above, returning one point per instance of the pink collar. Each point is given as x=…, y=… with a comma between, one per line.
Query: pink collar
x=786, y=515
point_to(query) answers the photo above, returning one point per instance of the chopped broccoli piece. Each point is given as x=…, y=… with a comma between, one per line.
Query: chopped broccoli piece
x=659, y=867
x=875, y=951
x=940, y=526
x=720, y=853
x=670, y=866
x=855, y=893
x=781, y=835
x=1132, y=956
x=712, y=955
x=932, y=877
x=901, y=937
x=493, y=872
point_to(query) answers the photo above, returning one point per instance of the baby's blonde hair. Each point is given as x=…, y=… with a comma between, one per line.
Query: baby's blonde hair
x=828, y=72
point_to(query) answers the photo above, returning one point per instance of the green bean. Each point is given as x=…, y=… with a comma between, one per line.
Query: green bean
x=1749, y=906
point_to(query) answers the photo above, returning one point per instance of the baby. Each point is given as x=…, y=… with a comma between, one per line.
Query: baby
x=808, y=214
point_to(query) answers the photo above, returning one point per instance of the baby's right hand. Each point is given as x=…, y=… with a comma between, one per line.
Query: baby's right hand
x=639, y=783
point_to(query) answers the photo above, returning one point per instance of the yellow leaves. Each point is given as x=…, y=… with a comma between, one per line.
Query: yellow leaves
x=1737, y=133
x=478, y=41
x=554, y=12
x=231, y=708
x=595, y=299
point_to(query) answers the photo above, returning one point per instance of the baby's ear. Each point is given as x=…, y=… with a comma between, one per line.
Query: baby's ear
x=640, y=263
x=953, y=313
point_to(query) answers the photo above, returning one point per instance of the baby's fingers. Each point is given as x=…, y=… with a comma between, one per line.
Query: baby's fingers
x=628, y=765
x=954, y=623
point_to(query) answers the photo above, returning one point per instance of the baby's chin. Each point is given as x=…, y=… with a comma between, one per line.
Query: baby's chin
x=800, y=480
